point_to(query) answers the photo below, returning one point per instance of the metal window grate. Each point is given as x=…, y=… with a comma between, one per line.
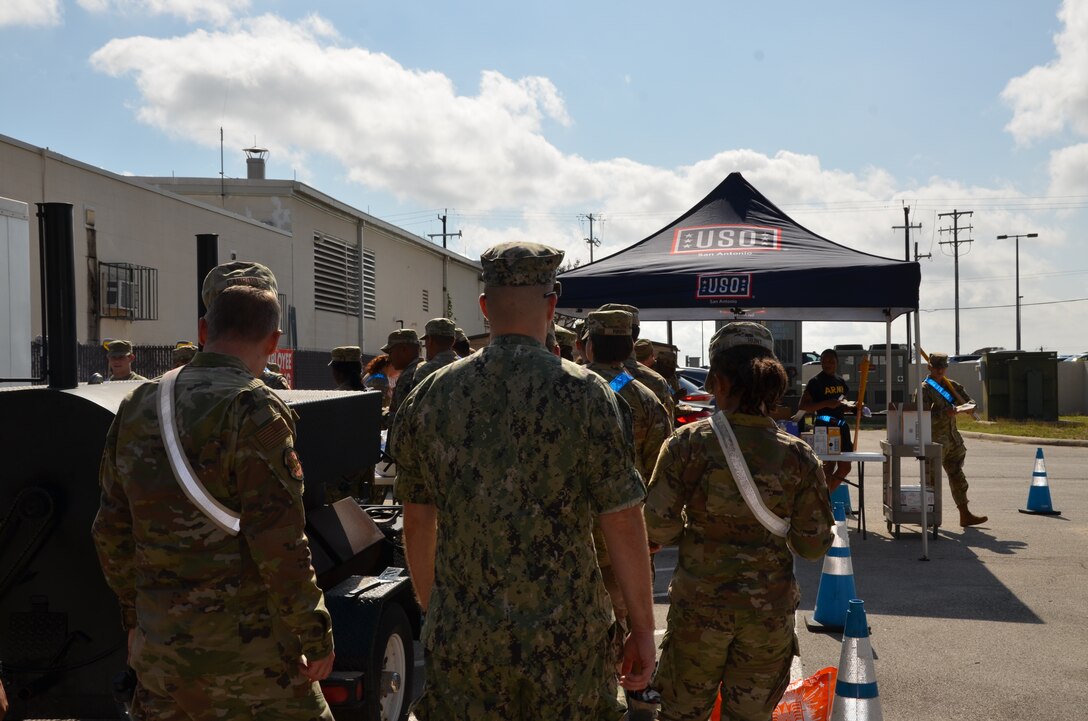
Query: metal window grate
x=370, y=285
x=426, y=302
x=336, y=275
x=128, y=292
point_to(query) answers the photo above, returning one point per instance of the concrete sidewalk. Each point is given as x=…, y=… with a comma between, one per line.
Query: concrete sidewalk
x=992, y=626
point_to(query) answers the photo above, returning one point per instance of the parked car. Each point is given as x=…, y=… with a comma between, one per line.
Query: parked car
x=1078, y=357
x=964, y=358
x=695, y=375
x=693, y=403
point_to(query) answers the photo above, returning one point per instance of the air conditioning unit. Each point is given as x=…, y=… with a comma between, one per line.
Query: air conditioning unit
x=121, y=294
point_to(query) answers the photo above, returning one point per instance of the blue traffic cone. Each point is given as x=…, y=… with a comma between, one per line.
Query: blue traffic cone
x=836, y=582
x=842, y=495
x=1039, y=492
x=856, y=695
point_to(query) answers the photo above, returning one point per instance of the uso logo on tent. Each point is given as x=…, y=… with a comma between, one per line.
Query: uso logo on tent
x=724, y=285
x=726, y=239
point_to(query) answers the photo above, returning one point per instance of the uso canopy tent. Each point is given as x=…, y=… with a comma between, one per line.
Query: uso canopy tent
x=736, y=255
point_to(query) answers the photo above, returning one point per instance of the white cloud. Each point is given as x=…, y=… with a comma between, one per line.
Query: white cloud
x=1069, y=171
x=218, y=12
x=1050, y=98
x=412, y=133
x=29, y=12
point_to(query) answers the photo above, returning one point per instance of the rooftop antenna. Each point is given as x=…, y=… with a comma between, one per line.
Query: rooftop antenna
x=222, y=181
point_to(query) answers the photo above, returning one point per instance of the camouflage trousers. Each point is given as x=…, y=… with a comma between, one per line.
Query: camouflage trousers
x=953, y=454
x=244, y=697
x=472, y=682
x=747, y=653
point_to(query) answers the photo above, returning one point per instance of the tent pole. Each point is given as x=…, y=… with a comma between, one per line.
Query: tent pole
x=888, y=364
x=920, y=451
x=668, y=326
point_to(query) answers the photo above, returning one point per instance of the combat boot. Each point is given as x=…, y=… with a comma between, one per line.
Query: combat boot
x=969, y=519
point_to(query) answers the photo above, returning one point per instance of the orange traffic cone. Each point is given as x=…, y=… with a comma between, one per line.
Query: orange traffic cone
x=1039, y=491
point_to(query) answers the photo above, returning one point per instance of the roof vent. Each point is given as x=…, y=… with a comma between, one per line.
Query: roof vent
x=255, y=158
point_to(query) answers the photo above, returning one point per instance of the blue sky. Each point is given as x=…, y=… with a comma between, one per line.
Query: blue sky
x=519, y=118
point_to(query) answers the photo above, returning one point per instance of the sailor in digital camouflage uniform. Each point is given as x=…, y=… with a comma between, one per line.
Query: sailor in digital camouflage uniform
x=733, y=595
x=942, y=396
x=183, y=352
x=566, y=338
x=223, y=622
x=499, y=510
x=643, y=374
x=440, y=333
x=120, y=357
x=461, y=345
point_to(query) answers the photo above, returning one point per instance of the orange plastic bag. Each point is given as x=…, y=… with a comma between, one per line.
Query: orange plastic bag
x=806, y=699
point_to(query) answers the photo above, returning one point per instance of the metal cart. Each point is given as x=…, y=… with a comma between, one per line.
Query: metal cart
x=895, y=514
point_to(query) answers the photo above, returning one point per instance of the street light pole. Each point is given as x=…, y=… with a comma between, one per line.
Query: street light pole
x=1019, y=345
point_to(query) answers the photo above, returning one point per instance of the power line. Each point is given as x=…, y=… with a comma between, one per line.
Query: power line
x=1008, y=305
x=955, y=243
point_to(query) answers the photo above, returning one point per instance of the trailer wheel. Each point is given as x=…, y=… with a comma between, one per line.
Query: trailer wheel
x=389, y=674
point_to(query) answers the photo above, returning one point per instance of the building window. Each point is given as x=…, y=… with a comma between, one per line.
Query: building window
x=370, y=285
x=426, y=301
x=128, y=292
x=336, y=275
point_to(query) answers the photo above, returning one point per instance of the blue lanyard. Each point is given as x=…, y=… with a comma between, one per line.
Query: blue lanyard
x=941, y=389
x=377, y=375
x=620, y=381
x=831, y=419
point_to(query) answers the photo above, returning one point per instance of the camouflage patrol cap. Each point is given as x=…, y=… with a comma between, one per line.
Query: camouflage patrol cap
x=938, y=360
x=118, y=348
x=580, y=329
x=459, y=335
x=623, y=306
x=667, y=353
x=346, y=354
x=520, y=264
x=440, y=328
x=274, y=367
x=401, y=336
x=184, y=351
x=565, y=337
x=644, y=349
x=741, y=333
x=237, y=272
x=609, y=322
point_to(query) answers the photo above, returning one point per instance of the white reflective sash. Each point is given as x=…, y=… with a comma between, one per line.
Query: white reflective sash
x=743, y=477
x=225, y=519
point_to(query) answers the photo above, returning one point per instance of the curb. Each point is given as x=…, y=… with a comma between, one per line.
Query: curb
x=1027, y=440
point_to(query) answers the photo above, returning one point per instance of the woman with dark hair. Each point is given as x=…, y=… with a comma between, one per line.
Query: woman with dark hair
x=737, y=495
x=375, y=378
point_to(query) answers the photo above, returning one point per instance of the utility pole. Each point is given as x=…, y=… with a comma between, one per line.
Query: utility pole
x=955, y=243
x=591, y=241
x=907, y=227
x=446, y=301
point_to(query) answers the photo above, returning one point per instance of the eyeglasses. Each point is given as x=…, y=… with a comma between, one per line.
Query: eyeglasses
x=557, y=290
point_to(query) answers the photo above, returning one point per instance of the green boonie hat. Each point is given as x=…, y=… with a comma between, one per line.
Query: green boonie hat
x=440, y=328
x=346, y=354
x=401, y=336
x=732, y=335
x=184, y=351
x=459, y=335
x=938, y=360
x=565, y=337
x=520, y=264
x=609, y=322
x=643, y=349
x=118, y=348
x=623, y=306
x=238, y=272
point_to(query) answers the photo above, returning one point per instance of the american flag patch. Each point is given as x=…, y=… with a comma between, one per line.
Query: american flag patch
x=273, y=434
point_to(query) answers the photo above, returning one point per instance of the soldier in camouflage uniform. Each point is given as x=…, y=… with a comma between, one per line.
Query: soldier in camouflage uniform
x=566, y=339
x=225, y=621
x=120, y=357
x=644, y=353
x=183, y=352
x=644, y=375
x=499, y=509
x=347, y=367
x=346, y=363
x=439, y=338
x=403, y=350
x=733, y=596
x=942, y=396
x=461, y=345
x=273, y=378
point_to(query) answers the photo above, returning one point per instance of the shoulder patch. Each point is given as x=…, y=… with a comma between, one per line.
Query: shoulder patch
x=274, y=433
x=293, y=464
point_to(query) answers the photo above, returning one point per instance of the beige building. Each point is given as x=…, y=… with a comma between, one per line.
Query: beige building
x=345, y=277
